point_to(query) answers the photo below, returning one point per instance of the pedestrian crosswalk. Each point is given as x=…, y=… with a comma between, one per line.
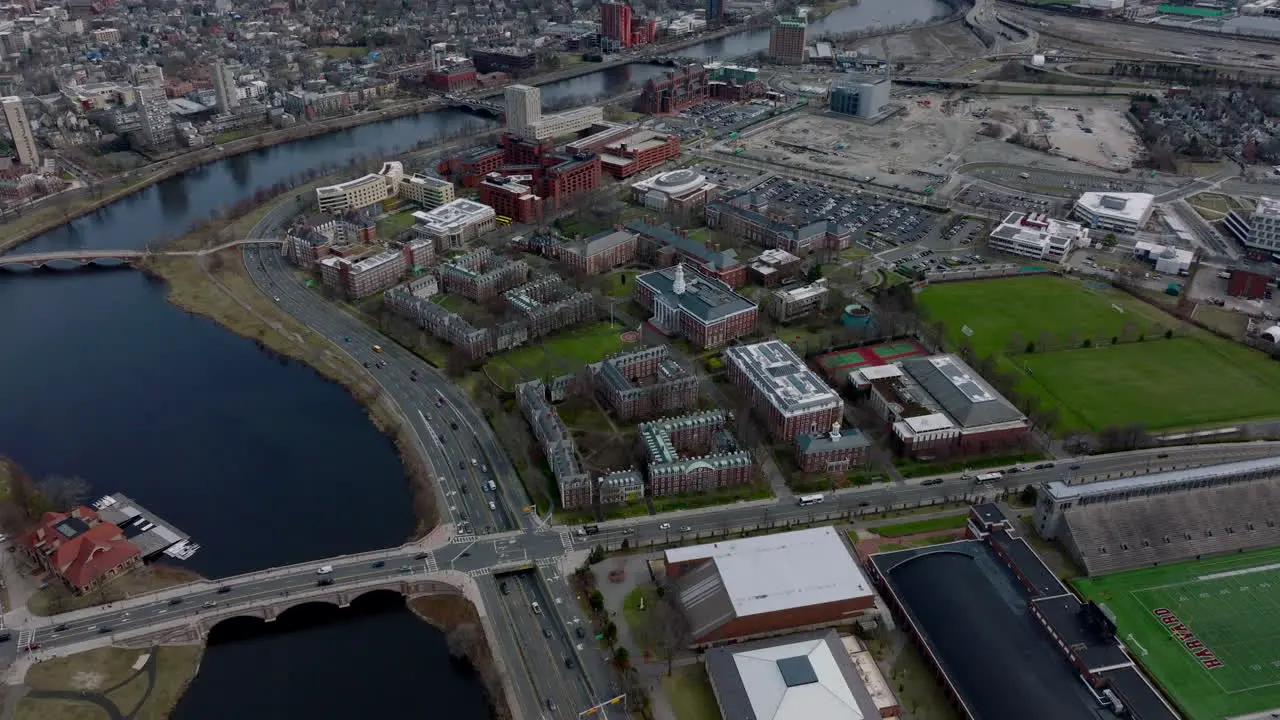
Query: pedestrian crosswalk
x=462, y=539
x=25, y=638
x=481, y=572
x=547, y=562
x=430, y=561
x=566, y=539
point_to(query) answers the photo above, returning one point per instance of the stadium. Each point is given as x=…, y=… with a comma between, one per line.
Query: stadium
x=1186, y=565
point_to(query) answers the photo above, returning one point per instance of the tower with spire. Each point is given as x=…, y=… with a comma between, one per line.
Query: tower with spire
x=677, y=283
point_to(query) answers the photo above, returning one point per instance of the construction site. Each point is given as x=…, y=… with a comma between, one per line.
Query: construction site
x=934, y=133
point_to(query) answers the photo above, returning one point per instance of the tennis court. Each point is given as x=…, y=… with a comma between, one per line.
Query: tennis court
x=838, y=362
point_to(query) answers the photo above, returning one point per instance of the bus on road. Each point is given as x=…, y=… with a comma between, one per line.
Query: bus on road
x=987, y=478
x=809, y=499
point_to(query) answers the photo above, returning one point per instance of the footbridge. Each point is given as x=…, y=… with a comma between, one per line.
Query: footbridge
x=70, y=259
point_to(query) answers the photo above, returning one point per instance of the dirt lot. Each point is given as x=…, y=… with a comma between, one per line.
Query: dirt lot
x=1111, y=143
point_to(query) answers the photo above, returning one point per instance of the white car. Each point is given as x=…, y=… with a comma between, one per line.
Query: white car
x=324, y=570
x=664, y=526
x=492, y=506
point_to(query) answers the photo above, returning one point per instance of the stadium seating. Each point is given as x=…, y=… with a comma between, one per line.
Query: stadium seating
x=1143, y=531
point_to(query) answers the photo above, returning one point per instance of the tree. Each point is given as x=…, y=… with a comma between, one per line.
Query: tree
x=611, y=633
x=1028, y=495
x=622, y=657
x=597, y=554
x=675, y=632
x=596, y=600
x=1031, y=347
x=63, y=491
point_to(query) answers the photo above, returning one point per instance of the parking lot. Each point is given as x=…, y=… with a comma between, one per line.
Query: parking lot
x=990, y=198
x=877, y=223
x=730, y=178
x=717, y=116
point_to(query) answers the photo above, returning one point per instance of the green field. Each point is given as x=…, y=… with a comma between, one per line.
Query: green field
x=945, y=522
x=1193, y=379
x=560, y=353
x=1228, y=604
x=1035, y=308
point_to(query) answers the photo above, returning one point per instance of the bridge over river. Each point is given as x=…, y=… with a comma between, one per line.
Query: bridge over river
x=70, y=259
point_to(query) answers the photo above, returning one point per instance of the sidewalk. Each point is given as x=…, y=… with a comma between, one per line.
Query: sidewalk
x=636, y=573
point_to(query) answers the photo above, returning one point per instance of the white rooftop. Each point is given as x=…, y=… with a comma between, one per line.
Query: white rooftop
x=1059, y=490
x=1134, y=207
x=776, y=572
x=341, y=188
x=825, y=693
x=780, y=375
x=879, y=372
x=1267, y=207
x=929, y=423
x=453, y=215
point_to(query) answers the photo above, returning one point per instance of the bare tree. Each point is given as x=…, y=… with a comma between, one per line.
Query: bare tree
x=63, y=491
x=675, y=631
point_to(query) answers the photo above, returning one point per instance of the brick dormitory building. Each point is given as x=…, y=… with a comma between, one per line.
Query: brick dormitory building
x=789, y=397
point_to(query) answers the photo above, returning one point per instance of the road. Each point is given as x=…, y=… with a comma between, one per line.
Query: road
x=449, y=434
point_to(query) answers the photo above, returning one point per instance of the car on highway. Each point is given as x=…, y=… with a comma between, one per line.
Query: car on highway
x=36, y=646
x=322, y=582
x=60, y=628
x=535, y=607
x=504, y=588
x=101, y=631
x=934, y=481
x=324, y=570
x=1044, y=466
x=224, y=589
x=582, y=634
x=209, y=604
x=453, y=426
x=568, y=662
x=1162, y=456
x=686, y=528
x=175, y=601
x=1074, y=467
x=421, y=556
x=551, y=705
x=664, y=526
x=492, y=505
x=546, y=632
x=380, y=563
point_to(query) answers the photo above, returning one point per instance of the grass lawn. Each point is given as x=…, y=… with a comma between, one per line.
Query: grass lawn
x=338, y=52
x=452, y=303
x=724, y=496
x=392, y=225
x=996, y=310
x=689, y=693
x=32, y=709
x=1226, y=607
x=620, y=283
x=1213, y=381
x=561, y=353
x=103, y=668
x=230, y=135
x=914, y=468
x=637, y=619
x=946, y=522
x=701, y=235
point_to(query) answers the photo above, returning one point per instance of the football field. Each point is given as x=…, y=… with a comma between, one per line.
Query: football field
x=1208, y=631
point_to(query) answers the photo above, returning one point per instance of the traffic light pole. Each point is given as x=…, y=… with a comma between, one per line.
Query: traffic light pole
x=591, y=711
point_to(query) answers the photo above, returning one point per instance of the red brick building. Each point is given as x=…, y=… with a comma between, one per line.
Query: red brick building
x=1248, y=283
x=784, y=393
x=767, y=585
x=644, y=383
x=471, y=167
x=599, y=253
x=639, y=152
x=551, y=175
x=706, y=312
x=455, y=78
x=573, y=175
x=833, y=452
x=511, y=197
x=82, y=550
x=678, y=90
x=663, y=246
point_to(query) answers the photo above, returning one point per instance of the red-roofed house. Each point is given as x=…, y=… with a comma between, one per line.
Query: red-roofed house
x=81, y=549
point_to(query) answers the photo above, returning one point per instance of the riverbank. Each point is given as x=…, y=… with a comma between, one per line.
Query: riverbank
x=110, y=682
x=56, y=214
x=457, y=618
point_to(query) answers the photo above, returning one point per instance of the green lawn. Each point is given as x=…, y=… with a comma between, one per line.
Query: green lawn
x=637, y=619
x=561, y=353
x=231, y=135
x=1176, y=383
x=1029, y=307
x=392, y=225
x=723, y=496
x=946, y=522
x=1193, y=379
x=620, y=283
x=689, y=692
x=1226, y=606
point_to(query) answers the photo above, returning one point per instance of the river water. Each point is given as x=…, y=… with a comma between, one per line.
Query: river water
x=261, y=460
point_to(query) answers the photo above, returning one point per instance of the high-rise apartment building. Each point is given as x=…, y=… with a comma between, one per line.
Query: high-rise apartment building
x=615, y=25
x=715, y=13
x=24, y=141
x=153, y=113
x=224, y=87
x=524, y=107
x=147, y=75
x=786, y=40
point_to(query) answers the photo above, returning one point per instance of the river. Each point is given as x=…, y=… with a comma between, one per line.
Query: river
x=262, y=461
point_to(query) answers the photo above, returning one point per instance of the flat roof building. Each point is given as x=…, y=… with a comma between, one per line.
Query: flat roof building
x=1037, y=236
x=599, y=253
x=429, y=192
x=24, y=141
x=1163, y=258
x=1118, y=212
x=454, y=224
x=938, y=405
x=677, y=191
x=362, y=191
x=788, y=396
x=767, y=585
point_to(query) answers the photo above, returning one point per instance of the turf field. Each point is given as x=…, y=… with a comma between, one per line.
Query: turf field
x=1206, y=630
x=1214, y=381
